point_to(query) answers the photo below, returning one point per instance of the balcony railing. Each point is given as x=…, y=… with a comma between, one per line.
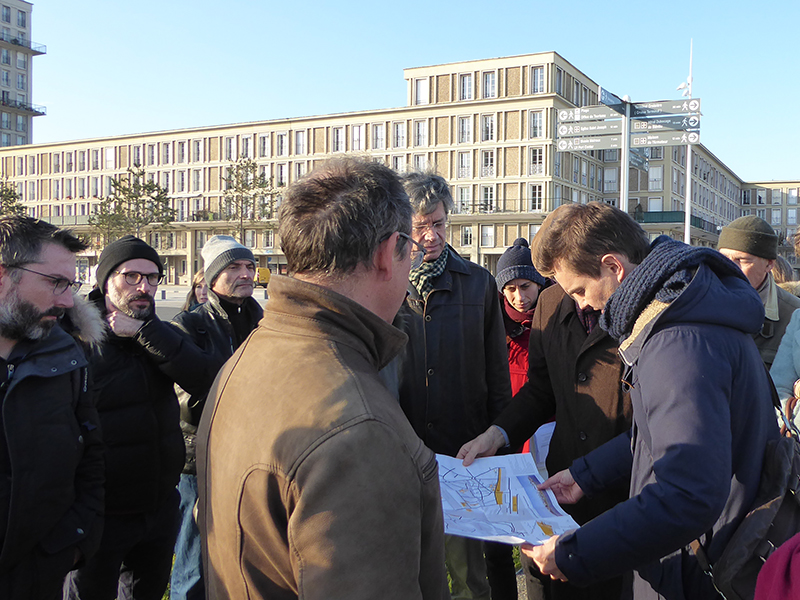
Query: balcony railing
x=674, y=216
x=34, y=109
x=15, y=40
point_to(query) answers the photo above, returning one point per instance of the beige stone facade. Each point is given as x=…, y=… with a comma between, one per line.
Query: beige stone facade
x=488, y=126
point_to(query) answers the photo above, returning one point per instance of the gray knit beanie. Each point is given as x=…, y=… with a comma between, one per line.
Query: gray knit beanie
x=516, y=264
x=752, y=235
x=219, y=252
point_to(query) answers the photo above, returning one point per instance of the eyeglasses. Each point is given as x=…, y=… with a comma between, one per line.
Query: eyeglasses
x=417, y=251
x=135, y=278
x=60, y=284
x=437, y=227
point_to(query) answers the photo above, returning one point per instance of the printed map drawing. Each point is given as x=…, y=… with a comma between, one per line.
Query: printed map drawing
x=496, y=499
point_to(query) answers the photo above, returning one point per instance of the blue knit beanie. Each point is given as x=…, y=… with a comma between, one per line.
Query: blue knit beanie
x=516, y=264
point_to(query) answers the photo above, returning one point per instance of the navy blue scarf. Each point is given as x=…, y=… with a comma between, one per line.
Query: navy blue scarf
x=663, y=275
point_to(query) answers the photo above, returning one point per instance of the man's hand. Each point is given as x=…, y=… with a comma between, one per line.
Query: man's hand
x=123, y=325
x=545, y=558
x=563, y=486
x=486, y=444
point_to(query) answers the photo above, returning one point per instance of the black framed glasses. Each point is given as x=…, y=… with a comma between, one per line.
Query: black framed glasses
x=135, y=278
x=60, y=284
x=417, y=250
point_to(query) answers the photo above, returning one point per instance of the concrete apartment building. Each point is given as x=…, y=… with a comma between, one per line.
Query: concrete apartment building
x=488, y=126
x=16, y=73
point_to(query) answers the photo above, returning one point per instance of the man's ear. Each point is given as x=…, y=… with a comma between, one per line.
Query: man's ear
x=615, y=263
x=771, y=264
x=383, y=260
x=5, y=278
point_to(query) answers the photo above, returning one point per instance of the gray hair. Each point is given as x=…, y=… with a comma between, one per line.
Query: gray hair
x=22, y=238
x=425, y=190
x=334, y=218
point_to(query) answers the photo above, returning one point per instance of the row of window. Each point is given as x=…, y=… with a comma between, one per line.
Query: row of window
x=5, y=16
x=21, y=79
x=6, y=58
x=776, y=196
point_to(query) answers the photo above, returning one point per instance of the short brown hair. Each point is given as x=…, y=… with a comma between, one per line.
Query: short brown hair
x=577, y=235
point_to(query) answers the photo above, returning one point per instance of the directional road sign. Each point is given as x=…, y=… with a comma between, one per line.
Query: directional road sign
x=612, y=100
x=671, y=122
x=639, y=161
x=587, y=113
x=665, y=107
x=588, y=128
x=666, y=138
x=603, y=142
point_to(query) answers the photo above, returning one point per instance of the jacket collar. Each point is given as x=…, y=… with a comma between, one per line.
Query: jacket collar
x=311, y=310
x=250, y=307
x=769, y=296
x=566, y=313
x=455, y=264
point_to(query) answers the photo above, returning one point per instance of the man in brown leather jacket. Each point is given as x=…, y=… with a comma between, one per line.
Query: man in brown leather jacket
x=311, y=481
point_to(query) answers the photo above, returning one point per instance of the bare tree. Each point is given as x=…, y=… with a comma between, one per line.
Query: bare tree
x=248, y=195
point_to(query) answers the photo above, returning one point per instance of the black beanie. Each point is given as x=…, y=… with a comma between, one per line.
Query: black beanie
x=116, y=253
x=516, y=264
x=752, y=235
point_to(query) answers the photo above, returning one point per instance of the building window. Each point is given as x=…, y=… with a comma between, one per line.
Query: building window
x=421, y=133
x=487, y=163
x=420, y=162
x=576, y=93
x=151, y=154
x=777, y=196
x=557, y=164
x=22, y=61
x=536, y=198
x=22, y=19
x=487, y=198
x=281, y=144
x=610, y=180
x=165, y=181
x=575, y=169
x=337, y=139
x=180, y=184
x=95, y=160
x=464, y=165
x=269, y=238
x=655, y=204
x=421, y=91
x=230, y=148
x=281, y=174
x=6, y=14
x=399, y=163
x=487, y=128
x=300, y=142
x=657, y=153
x=196, y=179
x=68, y=162
x=466, y=235
x=56, y=160
x=556, y=196
x=465, y=86
x=584, y=178
x=464, y=130
x=378, y=136
x=263, y=146
x=776, y=216
x=536, y=129
x=5, y=57
x=791, y=197
x=490, y=84
x=357, y=138
x=21, y=81
x=5, y=79
x=299, y=170
x=761, y=196
x=165, y=153
x=559, y=81
x=537, y=80
x=197, y=150
x=487, y=236
x=399, y=135
x=245, y=147
x=537, y=161
x=109, y=158
x=5, y=120
x=791, y=216
x=463, y=204
x=591, y=175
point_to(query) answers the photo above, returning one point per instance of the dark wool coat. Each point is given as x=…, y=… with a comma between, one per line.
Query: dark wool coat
x=454, y=374
x=702, y=417
x=576, y=378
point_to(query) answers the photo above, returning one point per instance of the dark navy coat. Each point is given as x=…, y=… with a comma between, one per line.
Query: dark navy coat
x=702, y=416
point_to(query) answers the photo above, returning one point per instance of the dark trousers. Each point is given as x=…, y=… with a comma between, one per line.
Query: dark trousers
x=500, y=570
x=134, y=559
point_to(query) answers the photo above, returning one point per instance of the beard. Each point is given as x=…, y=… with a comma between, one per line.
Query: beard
x=123, y=303
x=21, y=320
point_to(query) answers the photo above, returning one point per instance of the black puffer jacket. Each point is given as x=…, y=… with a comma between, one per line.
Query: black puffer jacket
x=139, y=415
x=51, y=461
x=210, y=329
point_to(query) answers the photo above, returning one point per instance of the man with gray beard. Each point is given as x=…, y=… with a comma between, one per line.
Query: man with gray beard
x=51, y=461
x=134, y=374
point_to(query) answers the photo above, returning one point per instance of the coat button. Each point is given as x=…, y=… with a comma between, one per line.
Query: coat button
x=430, y=371
x=53, y=369
x=582, y=377
x=583, y=436
x=80, y=531
x=80, y=439
x=428, y=318
x=74, y=362
x=430, y=425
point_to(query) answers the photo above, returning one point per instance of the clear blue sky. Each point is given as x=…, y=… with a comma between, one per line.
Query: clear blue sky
x=115, y=67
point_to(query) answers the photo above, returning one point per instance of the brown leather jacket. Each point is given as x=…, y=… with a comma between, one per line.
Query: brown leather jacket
x=312, y=483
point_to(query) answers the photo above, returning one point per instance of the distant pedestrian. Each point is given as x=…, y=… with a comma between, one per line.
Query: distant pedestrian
x=198, y=293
